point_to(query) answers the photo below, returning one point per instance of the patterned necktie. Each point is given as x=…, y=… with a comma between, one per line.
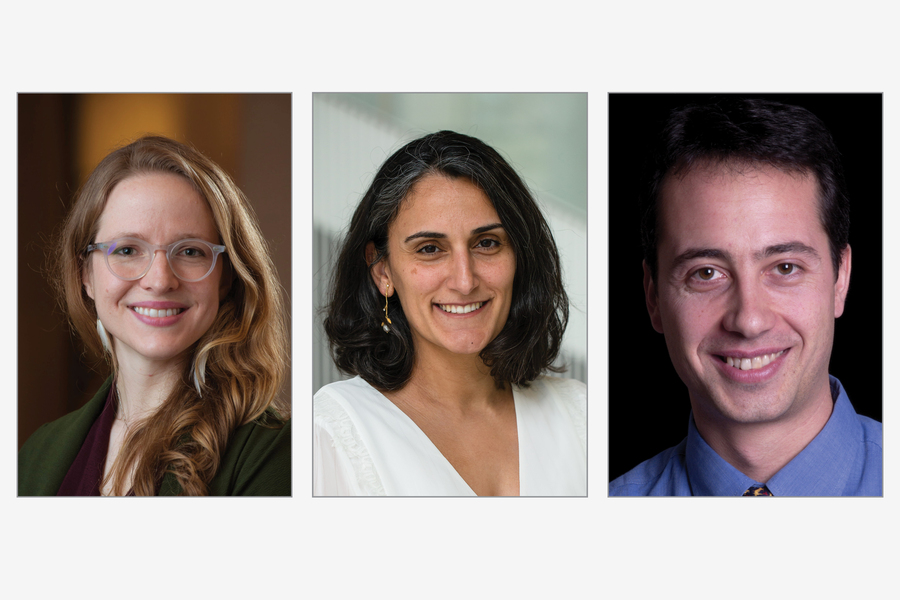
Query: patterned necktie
x=756, y=490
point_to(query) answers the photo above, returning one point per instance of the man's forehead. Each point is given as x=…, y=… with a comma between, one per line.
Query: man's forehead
x=732, y=169
x=752, y=206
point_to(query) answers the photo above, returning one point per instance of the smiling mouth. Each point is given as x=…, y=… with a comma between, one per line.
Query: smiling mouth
x=456, y=309
x=152, y=312
x=748, y=364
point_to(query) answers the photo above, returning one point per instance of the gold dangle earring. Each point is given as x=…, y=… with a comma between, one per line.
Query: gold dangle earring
x=386, y=317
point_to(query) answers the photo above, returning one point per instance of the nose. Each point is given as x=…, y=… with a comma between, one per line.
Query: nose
x=750, y=311
x=160, y=277
x=462, y=275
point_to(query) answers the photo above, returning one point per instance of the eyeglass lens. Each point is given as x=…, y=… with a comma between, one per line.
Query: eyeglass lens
x=189, y=260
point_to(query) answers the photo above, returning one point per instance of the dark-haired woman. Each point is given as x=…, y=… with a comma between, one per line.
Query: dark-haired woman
x=447, y=304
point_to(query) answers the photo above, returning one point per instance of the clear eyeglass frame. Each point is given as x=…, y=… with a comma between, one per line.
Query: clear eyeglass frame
x=151, y=249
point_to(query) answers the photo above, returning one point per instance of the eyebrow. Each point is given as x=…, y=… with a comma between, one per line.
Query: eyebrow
x=788, y=248
x=436, y=235
x=695, y=253
x=178, y=237
x=793, y=247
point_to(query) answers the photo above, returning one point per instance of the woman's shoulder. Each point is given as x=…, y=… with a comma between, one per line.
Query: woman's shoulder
x=48, y=453
x=343, y=463
x=269, y=424
x=264, y=435
x=335, y=402
x=562, y=389
x=257, y=461
x=76, y=423
x=569, y=395
x=350, y=389
x=63, y=426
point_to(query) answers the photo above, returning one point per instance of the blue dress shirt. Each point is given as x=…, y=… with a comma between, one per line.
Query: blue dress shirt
x=844, y=459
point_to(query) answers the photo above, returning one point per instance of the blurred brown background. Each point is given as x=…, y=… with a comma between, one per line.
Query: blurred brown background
x=61, y=137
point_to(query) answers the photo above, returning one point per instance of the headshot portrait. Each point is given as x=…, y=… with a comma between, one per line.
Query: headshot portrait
x=450, y=282
x=153, y=279
x=752, y=292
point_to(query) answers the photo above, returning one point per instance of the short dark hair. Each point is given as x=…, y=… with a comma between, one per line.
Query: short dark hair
x=747, y=131
x=529, y=341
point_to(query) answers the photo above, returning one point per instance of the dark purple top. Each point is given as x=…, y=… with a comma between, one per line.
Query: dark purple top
x=86, y=473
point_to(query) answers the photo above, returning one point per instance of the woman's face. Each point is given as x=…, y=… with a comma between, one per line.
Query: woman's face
x=452, y=265
x=159, y=208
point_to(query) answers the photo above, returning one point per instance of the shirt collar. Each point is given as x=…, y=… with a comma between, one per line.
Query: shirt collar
x=821, y=469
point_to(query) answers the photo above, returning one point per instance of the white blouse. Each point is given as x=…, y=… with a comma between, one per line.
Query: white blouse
x=363, y=445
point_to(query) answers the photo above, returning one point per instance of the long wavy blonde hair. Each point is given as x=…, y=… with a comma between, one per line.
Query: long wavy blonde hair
x=243, y=354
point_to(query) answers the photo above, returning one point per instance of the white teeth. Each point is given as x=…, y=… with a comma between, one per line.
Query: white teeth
x=748, y=364
x=152, y=312
x=461, y=310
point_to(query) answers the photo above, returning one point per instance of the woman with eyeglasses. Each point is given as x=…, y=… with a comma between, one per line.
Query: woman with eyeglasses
x=163, y=270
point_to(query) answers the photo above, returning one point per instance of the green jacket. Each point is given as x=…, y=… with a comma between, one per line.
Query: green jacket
x=257, y=461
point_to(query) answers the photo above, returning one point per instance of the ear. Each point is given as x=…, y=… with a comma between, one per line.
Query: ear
x=86, y=278
x=842, y=283
x=651, y=296
x=380, y=271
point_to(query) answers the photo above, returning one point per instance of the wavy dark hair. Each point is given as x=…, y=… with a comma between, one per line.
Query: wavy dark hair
x=528, y=343
x=743, y=131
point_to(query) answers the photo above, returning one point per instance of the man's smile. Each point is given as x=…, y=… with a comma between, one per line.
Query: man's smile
x=755, y=362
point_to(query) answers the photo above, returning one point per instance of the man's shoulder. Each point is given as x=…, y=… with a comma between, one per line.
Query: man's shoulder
x=872, y=444
x=872, y=430
x=662, y=475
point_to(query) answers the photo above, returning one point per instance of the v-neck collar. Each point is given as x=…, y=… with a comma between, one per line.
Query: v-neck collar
x=435, y=452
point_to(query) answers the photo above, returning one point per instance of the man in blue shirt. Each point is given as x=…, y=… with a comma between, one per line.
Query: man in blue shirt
x=746, y=267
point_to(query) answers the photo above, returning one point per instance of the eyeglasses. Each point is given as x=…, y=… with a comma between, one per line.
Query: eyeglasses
x=131, y=258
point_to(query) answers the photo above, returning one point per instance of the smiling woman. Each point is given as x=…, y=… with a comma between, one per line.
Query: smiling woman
x=153, y=207
x=457, y=275
x=447, y=304
x=162, y=270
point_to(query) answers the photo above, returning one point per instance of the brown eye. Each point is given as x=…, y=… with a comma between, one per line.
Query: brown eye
x=786, y=268
x=706, y=273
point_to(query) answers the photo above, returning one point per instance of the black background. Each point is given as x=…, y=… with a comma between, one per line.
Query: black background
x=648, y=403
